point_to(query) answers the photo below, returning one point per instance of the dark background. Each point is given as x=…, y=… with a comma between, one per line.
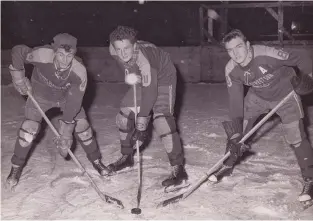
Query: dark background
x=163, y=23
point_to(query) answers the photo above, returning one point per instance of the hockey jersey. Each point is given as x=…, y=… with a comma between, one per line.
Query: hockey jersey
x=48, y=82
x=268, y=74
x=155, y=68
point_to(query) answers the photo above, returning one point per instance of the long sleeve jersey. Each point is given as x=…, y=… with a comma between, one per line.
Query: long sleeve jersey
x=266, y=74
x=155, y=68
x=48, y=82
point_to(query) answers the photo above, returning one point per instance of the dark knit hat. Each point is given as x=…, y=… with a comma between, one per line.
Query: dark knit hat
x=64, y=39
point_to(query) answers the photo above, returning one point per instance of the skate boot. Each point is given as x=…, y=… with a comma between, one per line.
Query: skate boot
x=123, y=162
x=306, y=197
x=307, y=192
x=102, y=170
x=14, y=177
x=177, y=180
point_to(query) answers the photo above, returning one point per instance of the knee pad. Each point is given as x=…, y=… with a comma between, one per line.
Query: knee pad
x=294, y=133
x=125, y=120
x=164, y=125
x=28, y=132
x=83, y=131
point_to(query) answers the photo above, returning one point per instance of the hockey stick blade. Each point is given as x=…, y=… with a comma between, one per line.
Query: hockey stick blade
x=170, y=200
x=112, y=200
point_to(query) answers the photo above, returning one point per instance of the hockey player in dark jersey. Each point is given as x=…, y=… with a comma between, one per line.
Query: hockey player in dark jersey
x=270, y=74
x=156, y=98
x=58, y=80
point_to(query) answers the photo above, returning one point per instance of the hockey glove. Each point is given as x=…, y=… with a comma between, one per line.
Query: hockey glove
x=20, y=82
x=132, y=79
x=233, y=130
x=302, y=84
x=65, y=140
x=140, y=133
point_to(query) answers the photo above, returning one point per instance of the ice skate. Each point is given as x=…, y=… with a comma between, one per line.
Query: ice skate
x=102, y=170
x=123, y=162
x=177, y=180
x=14, y=177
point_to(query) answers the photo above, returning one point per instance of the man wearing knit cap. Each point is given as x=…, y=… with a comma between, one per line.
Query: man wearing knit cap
x=58, y=80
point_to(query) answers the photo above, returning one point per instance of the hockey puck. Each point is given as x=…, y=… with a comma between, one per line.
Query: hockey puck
x=136, y=211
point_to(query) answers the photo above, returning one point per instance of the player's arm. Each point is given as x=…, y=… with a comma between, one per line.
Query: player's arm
x=303, y=82
x=289, y=57
x=149, y=91
x=235, y=94
x=20, y=54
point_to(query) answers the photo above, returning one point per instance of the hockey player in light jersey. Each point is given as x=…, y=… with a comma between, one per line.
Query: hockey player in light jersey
x=156, y=98
x=271, y=76
x=58, y=80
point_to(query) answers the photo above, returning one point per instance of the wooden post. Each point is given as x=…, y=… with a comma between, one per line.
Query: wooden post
x=281, y=29
x=280, y=23
x=201, y=24
x=224, y=17
x=210, y=26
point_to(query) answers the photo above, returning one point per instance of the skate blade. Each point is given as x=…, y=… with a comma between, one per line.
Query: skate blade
x=10, y=186
x=176, y=188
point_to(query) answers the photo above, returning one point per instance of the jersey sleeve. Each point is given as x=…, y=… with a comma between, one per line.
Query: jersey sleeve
x=19, y=54
x=287, y=57
x=149, y=90
x=76, y=92
x=22, y=54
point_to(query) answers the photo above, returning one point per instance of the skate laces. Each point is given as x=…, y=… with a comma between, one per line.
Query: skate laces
x=175, y=171
x=15, y=171
x=99, y=164
x=308, y=184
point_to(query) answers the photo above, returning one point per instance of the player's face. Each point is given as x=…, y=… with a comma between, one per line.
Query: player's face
x=64, y=58
x=237, y=49
x=124, y=49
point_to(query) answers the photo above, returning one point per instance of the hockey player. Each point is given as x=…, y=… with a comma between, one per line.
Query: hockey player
x=269, y=73
x=156, y=82
x=58, y=80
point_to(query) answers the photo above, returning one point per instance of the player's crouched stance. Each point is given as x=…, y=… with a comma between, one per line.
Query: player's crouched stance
x=156, y=86
x=58, y=80
x=268, y=72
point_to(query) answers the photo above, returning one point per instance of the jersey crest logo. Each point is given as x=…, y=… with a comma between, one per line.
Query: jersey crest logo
x=263, y=70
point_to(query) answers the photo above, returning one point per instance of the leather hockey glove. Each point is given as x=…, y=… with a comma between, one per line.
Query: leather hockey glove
x=234, y=133
x=140, y=132
x=302, y=84
x=65, y=140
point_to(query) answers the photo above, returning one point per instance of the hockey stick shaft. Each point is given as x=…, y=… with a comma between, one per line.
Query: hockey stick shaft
x=106, y=197
x=273, y=111
x=137, y=149
x=220, y=162
x=256, y=127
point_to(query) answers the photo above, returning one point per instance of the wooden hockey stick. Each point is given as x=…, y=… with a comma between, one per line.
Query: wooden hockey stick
x=104, y=196
x=220, y=162
x=137, y=209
